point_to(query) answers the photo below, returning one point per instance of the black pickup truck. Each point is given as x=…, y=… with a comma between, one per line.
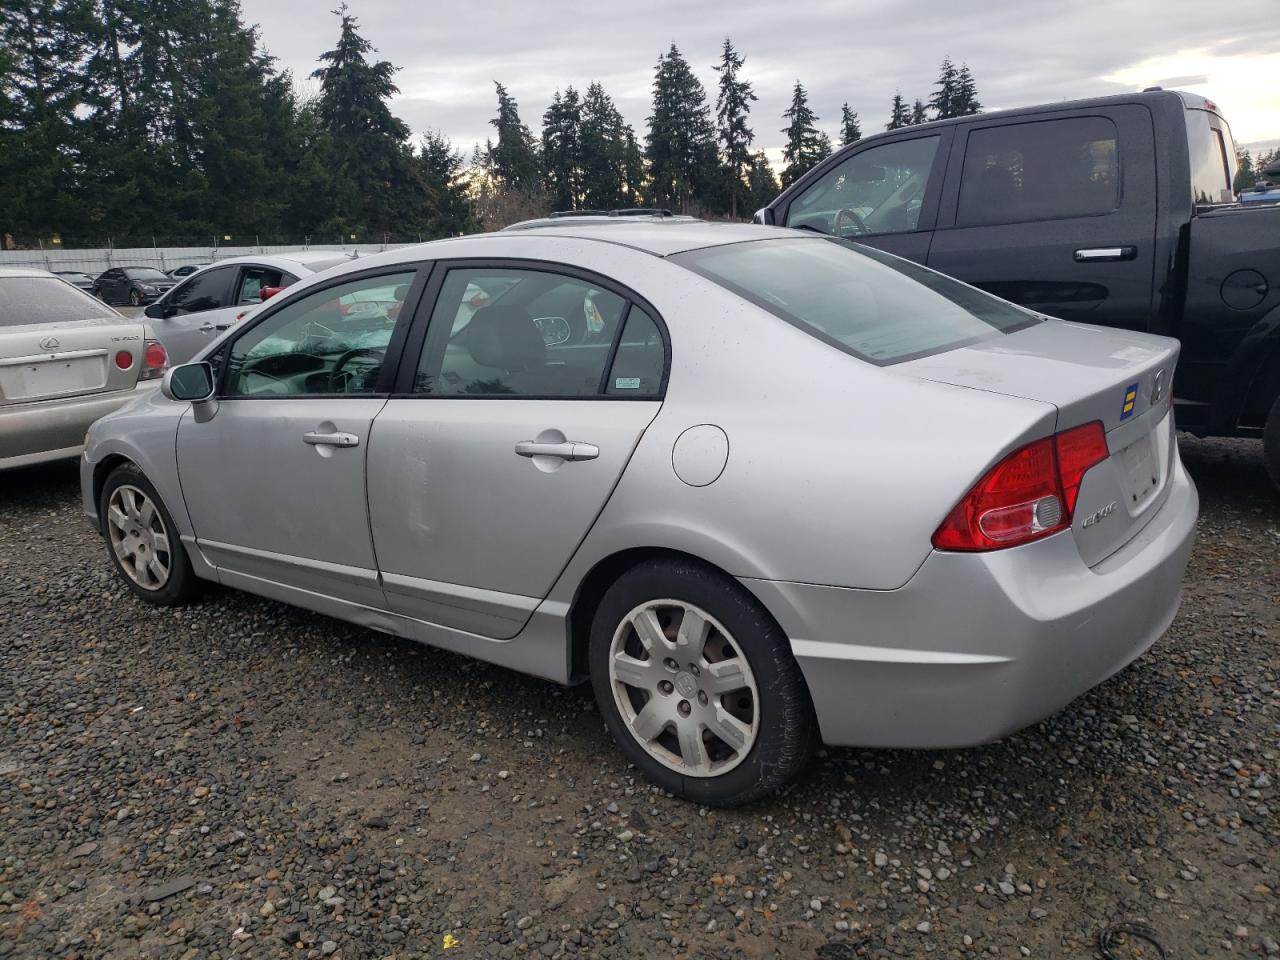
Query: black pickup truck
x=1116, y=211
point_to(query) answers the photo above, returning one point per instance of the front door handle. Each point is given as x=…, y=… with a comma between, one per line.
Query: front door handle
x=1104, y=254
x=331, y=439
x=568, y=450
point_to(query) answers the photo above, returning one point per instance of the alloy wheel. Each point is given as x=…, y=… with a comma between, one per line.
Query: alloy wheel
x=138, y=537
x=684, y=688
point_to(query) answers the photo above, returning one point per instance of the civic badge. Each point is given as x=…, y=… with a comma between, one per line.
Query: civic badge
x=1130, y=399
x=1157, y=388
x=50, y=343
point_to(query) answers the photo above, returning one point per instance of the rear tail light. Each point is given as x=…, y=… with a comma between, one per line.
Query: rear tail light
x=1029, y=494
x=154, y=360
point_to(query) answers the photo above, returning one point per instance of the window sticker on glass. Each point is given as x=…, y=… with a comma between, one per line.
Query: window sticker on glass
x=626, y=383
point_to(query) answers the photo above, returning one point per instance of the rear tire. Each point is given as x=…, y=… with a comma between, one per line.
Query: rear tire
x=142, y=541
x=1271, y=444
x=697, y=684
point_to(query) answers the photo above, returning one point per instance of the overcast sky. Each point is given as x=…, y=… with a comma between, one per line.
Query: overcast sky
x=1021, y=52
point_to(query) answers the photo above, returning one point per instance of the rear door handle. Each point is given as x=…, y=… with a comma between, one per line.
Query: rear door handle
x=1103, y=254
x=568, y=450
x=210, y=327
x=331, y=439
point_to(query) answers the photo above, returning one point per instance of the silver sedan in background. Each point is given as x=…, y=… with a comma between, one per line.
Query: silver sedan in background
x=761, y=487
x=66, y=359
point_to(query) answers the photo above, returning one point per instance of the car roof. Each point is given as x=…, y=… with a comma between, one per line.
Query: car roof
x=660, y=236
x=601, y=218
x=312, y=260
x=24, y=272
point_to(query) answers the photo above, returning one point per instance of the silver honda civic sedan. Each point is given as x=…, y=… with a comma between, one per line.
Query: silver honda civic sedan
x=760, y=487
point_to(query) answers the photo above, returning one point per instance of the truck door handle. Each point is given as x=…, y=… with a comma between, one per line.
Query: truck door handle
x=1103, y=254
x=569, y=450
x=331, y=439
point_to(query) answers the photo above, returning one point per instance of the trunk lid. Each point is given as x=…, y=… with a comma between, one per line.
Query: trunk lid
x=48, y=361
x=1088, y=373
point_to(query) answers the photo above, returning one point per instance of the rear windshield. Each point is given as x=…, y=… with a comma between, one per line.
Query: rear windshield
x=1213, y=158
x=45, y=300
x=878, y=307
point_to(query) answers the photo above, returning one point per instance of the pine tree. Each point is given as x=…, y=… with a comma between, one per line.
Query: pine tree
x=371, y=145
x=805, y=145
x=966, y=95
x=943, y=98
x=762, y=182
x=605, y=137
x=514, y=159
x=732, y=106
x=898, y=116
x=918, y=113
x=680, y=145
x=41, y=44
x=562, y=150
x=441, y=172
x=850, y=131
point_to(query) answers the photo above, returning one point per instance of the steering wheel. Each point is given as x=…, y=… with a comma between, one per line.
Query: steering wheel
x=350, y=355
x=853, y=219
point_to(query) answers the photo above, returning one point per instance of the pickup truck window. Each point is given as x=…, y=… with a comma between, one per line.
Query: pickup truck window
x=878, y=190
x=1211, y=166
x=1045, y=170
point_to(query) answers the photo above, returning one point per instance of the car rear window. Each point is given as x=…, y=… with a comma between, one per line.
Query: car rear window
x=45, y=300
x=878, y=307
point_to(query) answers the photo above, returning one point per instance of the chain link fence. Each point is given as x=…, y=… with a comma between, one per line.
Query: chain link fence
x=92, y=261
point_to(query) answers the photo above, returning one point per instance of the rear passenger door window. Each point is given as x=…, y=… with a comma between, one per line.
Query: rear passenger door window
x=251, y=282
x=640, y=360
x=1043, y=170
x=528, y=333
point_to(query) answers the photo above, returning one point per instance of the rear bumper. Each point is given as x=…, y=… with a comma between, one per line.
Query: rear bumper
x=977, y=646
x=48, y=430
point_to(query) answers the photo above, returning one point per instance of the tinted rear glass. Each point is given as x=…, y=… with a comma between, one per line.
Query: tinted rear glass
x=45, y=300
x=1044, y=170
x=878, y=307
x=1212, y=157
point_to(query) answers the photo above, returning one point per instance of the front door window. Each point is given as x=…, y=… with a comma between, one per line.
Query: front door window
x=878, y=190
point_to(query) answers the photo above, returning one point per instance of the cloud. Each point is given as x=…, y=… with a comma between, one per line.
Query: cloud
x=1021, y=52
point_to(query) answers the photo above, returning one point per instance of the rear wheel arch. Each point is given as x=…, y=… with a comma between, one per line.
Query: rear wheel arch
x=603, y=575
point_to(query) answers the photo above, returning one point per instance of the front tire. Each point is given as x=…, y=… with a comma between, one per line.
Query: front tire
x=142, y=540
x=697, y=684
x=135, y=298
x=1271, y=444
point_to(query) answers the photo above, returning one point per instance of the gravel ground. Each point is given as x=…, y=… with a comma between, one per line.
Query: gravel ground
x=239, y=778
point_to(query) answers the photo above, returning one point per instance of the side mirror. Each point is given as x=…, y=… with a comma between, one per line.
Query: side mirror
x=763, y=215
x=189, y=383
x=156, y=311
x=266, y=293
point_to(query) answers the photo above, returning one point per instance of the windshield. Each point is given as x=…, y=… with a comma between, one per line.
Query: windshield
x=878, y=307
x=145, y=273
x=45, y=300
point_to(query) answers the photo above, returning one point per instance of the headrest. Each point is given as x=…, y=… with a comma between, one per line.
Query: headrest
x=505, y=338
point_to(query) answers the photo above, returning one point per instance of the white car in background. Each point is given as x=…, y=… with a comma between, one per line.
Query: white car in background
x=209, y=301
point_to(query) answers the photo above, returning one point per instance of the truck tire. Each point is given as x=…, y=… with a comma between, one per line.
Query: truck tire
x=1271, y=444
